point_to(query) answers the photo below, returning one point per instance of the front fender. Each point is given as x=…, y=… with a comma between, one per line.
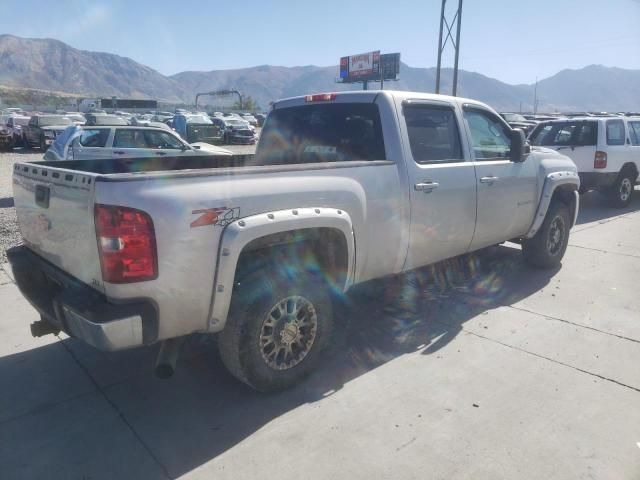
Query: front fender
x=552, y=182
x=241, y=232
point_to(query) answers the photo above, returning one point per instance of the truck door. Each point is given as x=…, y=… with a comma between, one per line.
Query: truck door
x=442, y=182
x=507, y=191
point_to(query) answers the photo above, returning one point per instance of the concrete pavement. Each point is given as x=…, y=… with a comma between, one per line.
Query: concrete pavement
x=479, y=368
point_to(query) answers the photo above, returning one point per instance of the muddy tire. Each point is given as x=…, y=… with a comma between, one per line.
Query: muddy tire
x=547, y=247
x=277, y=329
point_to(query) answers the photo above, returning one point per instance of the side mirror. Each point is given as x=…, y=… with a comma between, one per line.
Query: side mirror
x=518, y=144
x=196, y=147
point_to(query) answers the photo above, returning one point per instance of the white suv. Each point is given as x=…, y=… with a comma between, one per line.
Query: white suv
x=108, y=142
x=606, y=151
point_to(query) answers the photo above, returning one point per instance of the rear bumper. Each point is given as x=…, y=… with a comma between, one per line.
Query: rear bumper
x=242, y=140
x=79, y=310
x=597, y=180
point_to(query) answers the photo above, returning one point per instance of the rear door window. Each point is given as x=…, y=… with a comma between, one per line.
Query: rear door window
x=615, y=132
x=129, y=138
x=587, y=135
x=336, y=132
x=94, y=137
x=433, y=133
x=566, y=134
x=161, y=140
x=634, y=132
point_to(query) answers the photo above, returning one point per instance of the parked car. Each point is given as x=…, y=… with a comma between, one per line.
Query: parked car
x=515, y=120
x=12, y=111
x=41, y=130
x=76, y=117
x=253, y=121
x=93, y=120
x=605, y=150
x=261, y=117
x=197, y=128
x=237, y=131
x=157, y=249
x=162, y=117
x=6, y=138
x=104, y=142
x=14, y=126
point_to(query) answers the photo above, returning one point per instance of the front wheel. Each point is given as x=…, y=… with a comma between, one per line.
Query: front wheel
x=43, y=144
x=619, y=195
x=277, y=330
x=547, y=247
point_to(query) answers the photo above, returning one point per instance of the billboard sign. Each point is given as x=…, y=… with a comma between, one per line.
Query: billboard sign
x=390, y=66
x=365, y=66
x=369, y=66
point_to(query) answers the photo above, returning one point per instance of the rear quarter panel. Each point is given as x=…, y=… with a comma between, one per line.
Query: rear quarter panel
x=187, y=254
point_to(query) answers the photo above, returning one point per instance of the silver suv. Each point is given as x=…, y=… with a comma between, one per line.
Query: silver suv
x=103, y=142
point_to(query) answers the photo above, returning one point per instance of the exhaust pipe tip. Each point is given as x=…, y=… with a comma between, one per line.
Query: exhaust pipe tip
x=43, y=327
x=168, y=357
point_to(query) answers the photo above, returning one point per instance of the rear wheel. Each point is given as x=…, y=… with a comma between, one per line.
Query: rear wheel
x=619, y=195
x=277, y=330
x=547, y=247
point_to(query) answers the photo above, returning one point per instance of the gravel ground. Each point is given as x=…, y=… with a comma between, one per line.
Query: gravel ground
x=9, y=234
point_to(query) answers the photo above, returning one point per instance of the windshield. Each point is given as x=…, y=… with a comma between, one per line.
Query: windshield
x=49, y=121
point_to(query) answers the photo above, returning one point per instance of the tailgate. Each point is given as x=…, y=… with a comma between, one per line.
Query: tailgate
x=55, y=215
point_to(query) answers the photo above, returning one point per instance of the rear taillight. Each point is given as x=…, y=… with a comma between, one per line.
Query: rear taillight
x=126, y=243
x=320, y=97
x=600, y=160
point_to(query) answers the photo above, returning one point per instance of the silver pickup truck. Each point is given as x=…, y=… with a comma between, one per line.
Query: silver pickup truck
x=343, y=188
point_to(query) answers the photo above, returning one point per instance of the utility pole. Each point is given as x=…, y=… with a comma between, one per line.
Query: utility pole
x=457, y=20
x=535, y=98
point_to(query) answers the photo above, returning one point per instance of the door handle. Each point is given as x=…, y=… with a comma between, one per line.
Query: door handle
x=119, y=153
x=426, y=187
x=161, y=153
x=489, y=179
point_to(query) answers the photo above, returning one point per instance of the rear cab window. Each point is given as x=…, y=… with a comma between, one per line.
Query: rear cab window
x=336, y=132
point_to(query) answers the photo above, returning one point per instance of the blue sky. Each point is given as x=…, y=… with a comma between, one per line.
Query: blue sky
x=514, y=41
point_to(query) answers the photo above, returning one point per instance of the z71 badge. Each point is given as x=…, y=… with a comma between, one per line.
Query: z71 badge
x=222, y=216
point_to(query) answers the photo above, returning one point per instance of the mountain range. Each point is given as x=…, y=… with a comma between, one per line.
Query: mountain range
x=52, y=65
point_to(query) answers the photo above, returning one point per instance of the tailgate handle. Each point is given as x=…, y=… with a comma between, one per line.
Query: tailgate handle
x=42, y=196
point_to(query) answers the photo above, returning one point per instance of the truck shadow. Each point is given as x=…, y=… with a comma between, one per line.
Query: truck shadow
x=593, y=207
x=202, y=411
